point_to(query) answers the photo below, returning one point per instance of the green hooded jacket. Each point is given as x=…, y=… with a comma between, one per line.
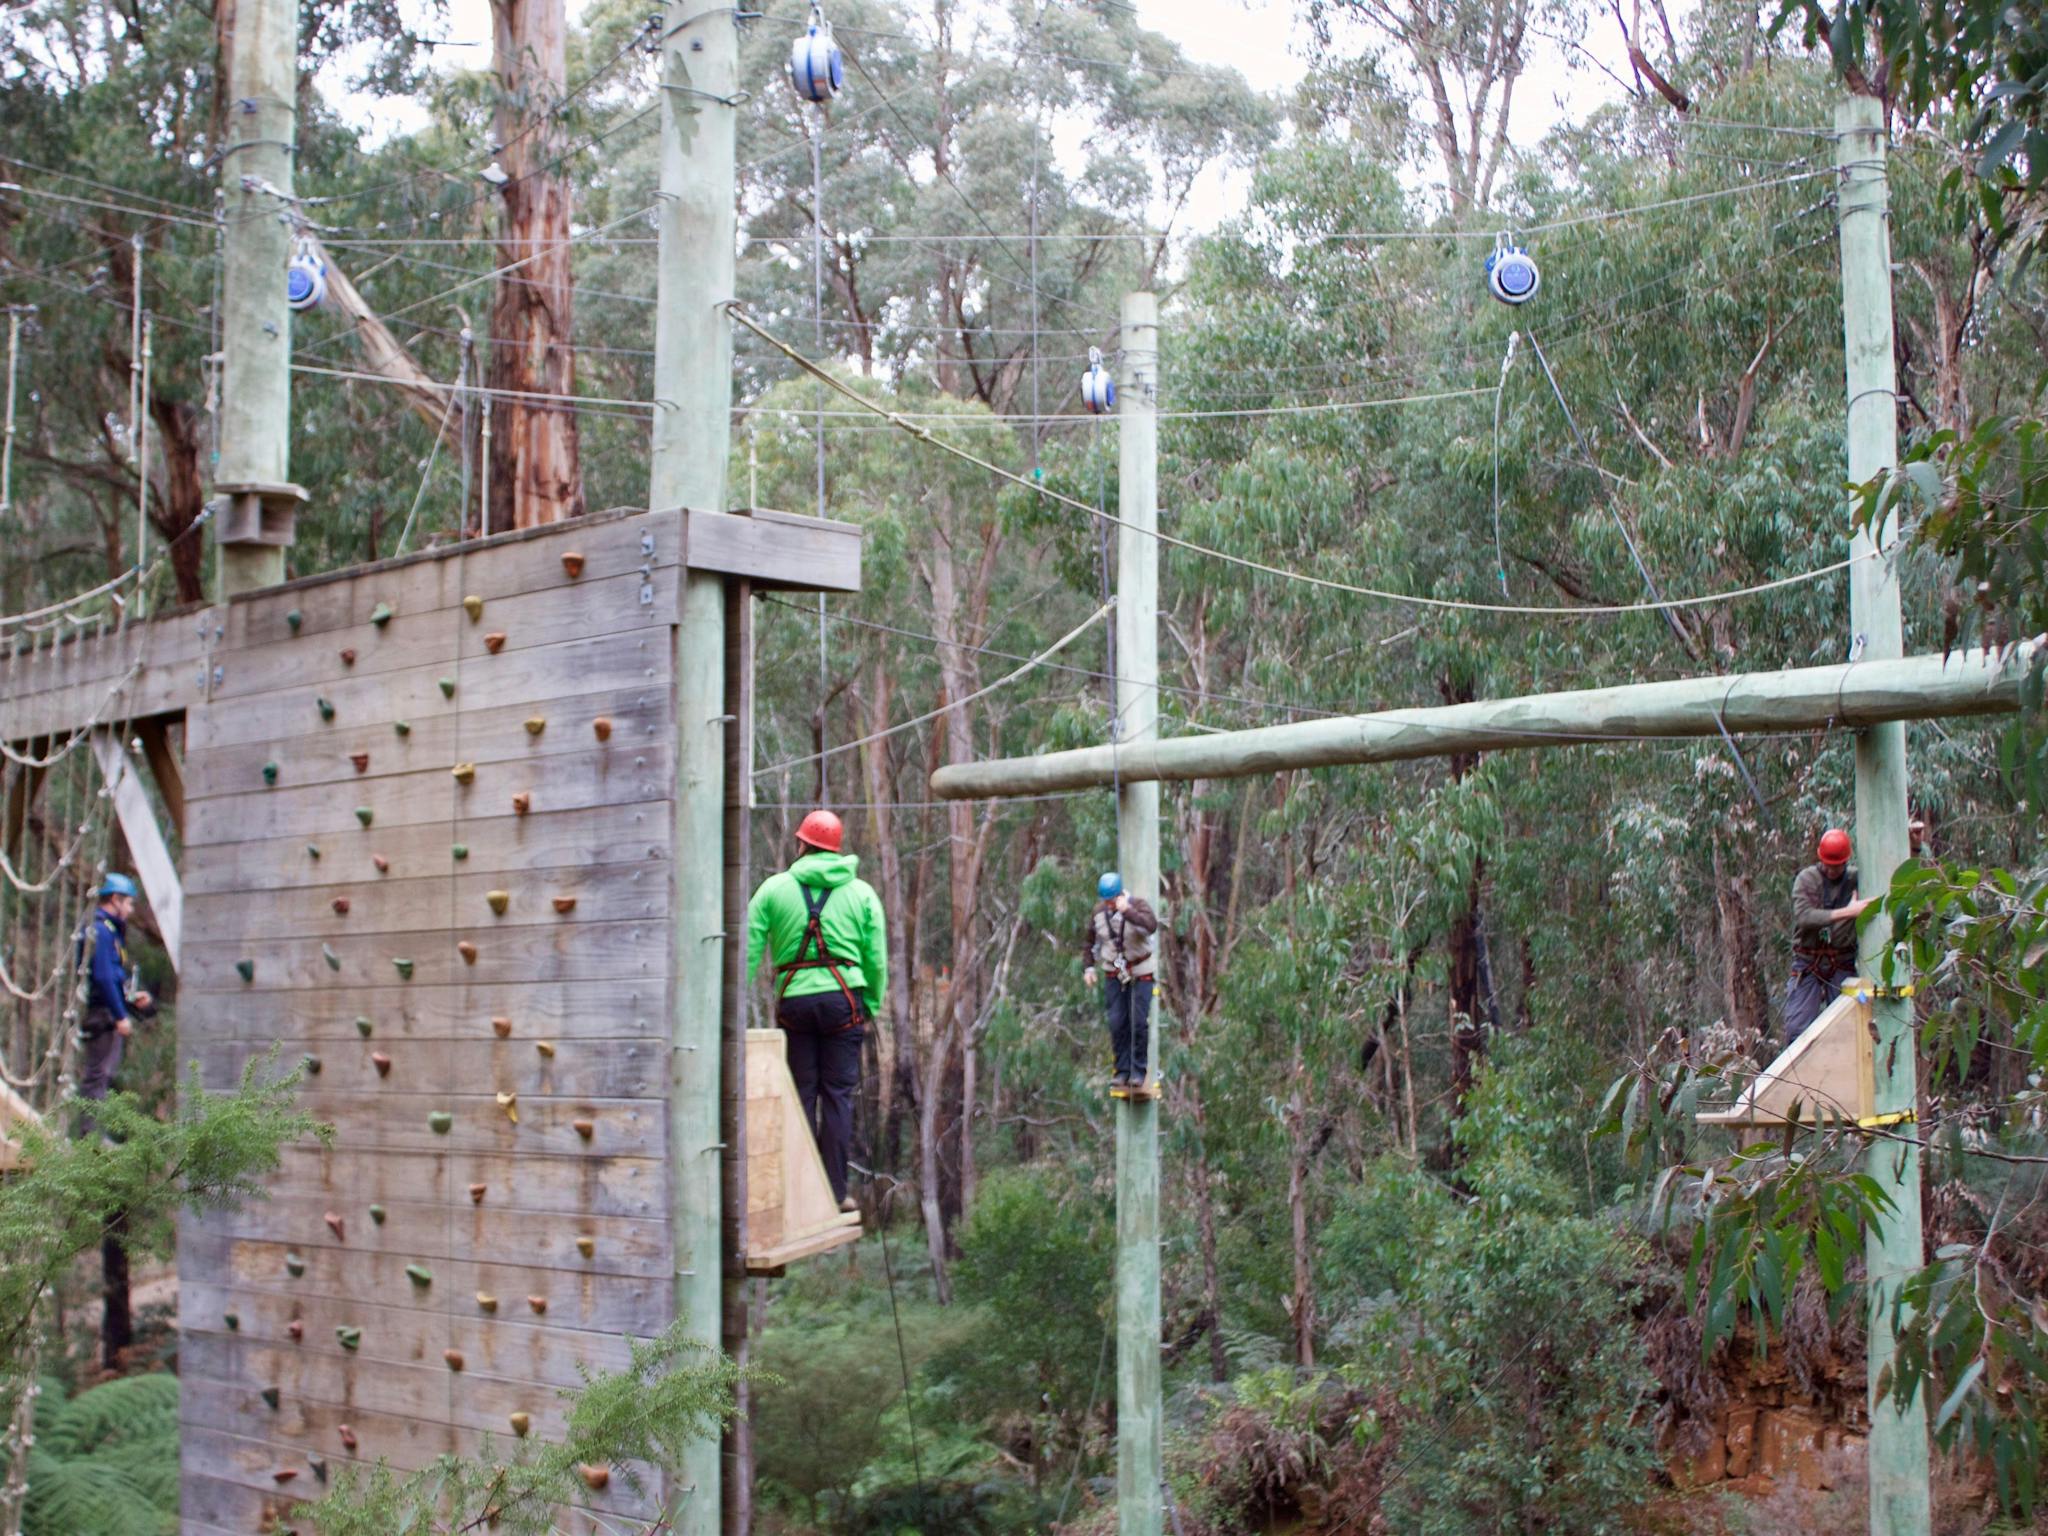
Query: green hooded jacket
x=855, y=932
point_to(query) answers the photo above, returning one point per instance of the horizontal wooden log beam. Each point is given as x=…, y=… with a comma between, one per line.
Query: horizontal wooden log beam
x=1809, y=698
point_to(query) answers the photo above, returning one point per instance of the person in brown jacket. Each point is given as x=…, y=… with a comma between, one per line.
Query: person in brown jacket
x=1117, y=947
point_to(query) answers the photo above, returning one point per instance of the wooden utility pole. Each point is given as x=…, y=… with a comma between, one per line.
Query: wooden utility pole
x=536, y=477
x=256, y=502
x=691, y=438
x=1894, y=1246
x=1139, y=1411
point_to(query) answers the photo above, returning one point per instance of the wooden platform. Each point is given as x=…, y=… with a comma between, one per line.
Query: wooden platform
x=1825, y=1077
x=791, y=1214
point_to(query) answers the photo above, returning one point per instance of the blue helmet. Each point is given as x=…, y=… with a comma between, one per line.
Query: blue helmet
x=1110, y=886
x=118, y=884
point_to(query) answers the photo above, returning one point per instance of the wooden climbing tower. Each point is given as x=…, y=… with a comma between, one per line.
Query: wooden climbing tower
x=430, y=837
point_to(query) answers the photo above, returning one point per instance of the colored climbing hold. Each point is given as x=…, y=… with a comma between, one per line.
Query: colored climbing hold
x=404, y=969
x=467, y=950
x=447, y=687
x=341, y=906
x=295, y=619
x=546, y=1048
x=521, y=1423
x=509, y=1102
x=538, y=1303
x=319, y=1468
x=565, y=904
x=270, y=773
x=440, y=1122
x=294, y=1265
x=419, y=1274
x=503, y=1026
x=381, y=615
x=348, y=1437
x=594, y=1477
x=381, y=1062
x=270, y=1397
x=311, y=1063
x=333, y=960
x=336, y=1225
x=461, y=852
x=233, y=1320
x=377, y=1214
x=586, y=1246
x=494, y=642
x=364, y=1027
x=296, y=1329
x=326, y=708
x=463, y=773
x=477, y=1192
x=348, y=658
x=602, y=725
x=473, y=606
x=486, y=1302
x=403, y=727
x=572, y=562
x=535, y=724
x=583, y=1128
x=498, y=901
x=361, y=761
x=284, y=1474
x=350, y=1338
x=312, y=850
x=365, y=815
x=453, y=1357
x=246, y=969
x=522, y=803
x=383, y=864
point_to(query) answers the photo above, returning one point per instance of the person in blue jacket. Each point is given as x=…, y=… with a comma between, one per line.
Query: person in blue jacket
x=112, y=1002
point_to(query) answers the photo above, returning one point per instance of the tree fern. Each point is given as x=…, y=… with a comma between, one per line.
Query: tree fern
x=106, y=1461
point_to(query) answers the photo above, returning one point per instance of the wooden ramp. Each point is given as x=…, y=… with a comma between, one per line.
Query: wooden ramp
x=1825, y=1077
x=790, y=1210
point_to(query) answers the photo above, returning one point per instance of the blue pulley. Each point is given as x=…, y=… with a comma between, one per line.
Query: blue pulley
x=1098, y=389
x=1511, y=274
x=816, y=67
x=305, y=279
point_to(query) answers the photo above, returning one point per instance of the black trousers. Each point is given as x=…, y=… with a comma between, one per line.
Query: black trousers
x=1129, y=1006
x=825, y=1041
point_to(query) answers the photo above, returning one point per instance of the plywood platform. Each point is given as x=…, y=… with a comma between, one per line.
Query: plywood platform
x=1826, y=1076
x=791, y=1214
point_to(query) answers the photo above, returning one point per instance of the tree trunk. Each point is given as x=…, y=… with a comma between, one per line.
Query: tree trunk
x=117, y=1320
x=928, y=1160
x=535, y=475
x=1302, y=1305
x=181, y=494
x=1743, y=995
x=1205, y=1233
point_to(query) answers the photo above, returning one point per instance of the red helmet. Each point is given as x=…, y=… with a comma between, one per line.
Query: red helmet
x=1834, y=846
x=821, y=829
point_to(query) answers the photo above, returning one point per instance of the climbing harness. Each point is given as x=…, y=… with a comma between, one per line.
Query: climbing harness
x=815, y=898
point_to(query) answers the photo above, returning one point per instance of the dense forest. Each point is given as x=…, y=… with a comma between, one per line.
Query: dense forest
x=1430, y=1035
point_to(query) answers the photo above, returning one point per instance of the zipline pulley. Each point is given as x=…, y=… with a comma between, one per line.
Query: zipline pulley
x=1098, y=389
x=816, y=68
x=1511, y=274
x=305, y=279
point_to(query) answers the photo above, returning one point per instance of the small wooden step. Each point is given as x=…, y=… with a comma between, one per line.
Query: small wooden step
x=791, y=1214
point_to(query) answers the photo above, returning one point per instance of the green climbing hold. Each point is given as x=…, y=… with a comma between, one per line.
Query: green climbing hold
x=381, y=615
x=294, y=1265
x=270, y=1398
x=365, y=815
x=402, y=727
x=447, y=687
x=440, y=1121
x=404, y=969
x=246, y=969
x=351, y=1338
x=233, y=1320
x=270, y=773
x=461, y=851
x=312, y=850
x=295, y=619
x=364, y=1027
x=311, y=1063
x=419, y=1274
x=333, y=960
x=326, y=708
x=377, y=1214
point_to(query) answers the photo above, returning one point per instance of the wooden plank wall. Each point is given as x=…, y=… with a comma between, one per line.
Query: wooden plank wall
x=562, y=1217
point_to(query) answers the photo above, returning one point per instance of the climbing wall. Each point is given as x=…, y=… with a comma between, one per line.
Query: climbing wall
x=430, y=810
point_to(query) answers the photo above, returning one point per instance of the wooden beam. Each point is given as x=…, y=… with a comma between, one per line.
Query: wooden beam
x=153, y=863
x=778, y=550
x=1808, y=698
x=165, y=767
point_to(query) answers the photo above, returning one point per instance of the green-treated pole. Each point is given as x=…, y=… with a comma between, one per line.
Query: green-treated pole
x=1893, y=1247
x=1139, y=1415
x=692, y=427
x=256, y=319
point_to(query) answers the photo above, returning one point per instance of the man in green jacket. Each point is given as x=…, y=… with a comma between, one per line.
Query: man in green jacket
x=823, y=927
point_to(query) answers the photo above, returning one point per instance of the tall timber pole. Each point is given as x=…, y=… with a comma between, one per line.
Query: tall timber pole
x=1139, y=1411
x=256, y=501
x=1899, y=1504
x=692, y=427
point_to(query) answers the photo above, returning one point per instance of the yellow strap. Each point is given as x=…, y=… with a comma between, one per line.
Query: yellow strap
x=1879, y=1122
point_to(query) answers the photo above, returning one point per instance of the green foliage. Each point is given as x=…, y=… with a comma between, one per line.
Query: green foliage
x=674, y=1391
x=105, y=1461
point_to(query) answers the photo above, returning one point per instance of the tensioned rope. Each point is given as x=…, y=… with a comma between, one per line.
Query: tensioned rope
x=1590, y=610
